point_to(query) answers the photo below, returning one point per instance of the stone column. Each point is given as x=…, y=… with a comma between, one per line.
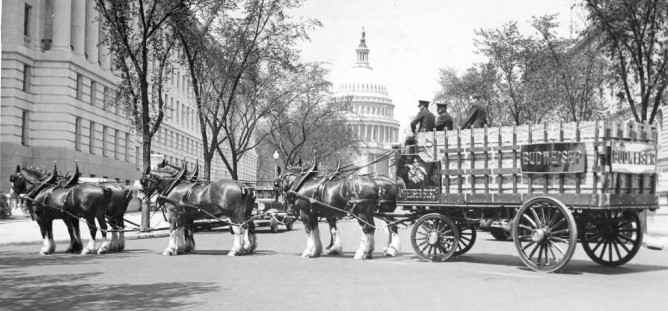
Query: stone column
x=78, y=34
x=62, y=17
x=91, y=32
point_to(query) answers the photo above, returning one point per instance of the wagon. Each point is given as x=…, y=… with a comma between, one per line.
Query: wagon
x=547, y=186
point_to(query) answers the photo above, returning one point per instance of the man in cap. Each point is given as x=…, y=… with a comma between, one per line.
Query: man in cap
x=444, y=120
x=425, y=118
x=477, y=114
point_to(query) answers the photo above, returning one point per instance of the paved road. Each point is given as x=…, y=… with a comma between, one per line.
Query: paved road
x=489, y=277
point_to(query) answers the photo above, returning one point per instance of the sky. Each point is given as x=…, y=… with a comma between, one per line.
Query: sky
x=410, y=40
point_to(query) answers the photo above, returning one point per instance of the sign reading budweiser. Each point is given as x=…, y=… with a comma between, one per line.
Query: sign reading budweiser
x=554, y=158
x=633, y=157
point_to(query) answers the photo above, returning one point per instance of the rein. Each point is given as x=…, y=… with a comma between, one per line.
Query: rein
x=314, y=201
x=199, y=209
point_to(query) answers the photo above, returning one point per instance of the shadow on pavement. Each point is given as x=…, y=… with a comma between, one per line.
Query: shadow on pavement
x=22, y=260
x=71, y=292
x=573, y=267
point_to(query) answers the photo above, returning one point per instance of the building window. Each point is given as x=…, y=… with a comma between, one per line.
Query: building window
x=137, y=156
x=91, y=144
x=77, y=134
x=26, y=25
x=25, y=120
x=93, y=92
x=104, y=141
x=117, y=144
x=105, y=96
x=127, y=146
x=26, y=78
x=79, y=86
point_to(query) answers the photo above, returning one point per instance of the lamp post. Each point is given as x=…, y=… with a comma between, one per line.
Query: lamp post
x=275, y=155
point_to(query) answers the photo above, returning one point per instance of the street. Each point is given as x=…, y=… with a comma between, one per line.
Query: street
x=490, y=276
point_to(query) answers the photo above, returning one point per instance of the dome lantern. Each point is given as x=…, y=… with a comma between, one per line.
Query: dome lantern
x=363, y=52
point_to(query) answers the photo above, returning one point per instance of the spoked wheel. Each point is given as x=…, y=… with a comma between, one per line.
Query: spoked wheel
x=434, y=237
x=467, y=236
x=499, y=234
x=545, y=234
x=612, y=238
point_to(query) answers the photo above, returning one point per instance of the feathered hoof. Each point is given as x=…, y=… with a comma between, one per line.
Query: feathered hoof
x=362, y=256
x=169, y=252
x=390, y=252
x=46, y=252
x=332, y=252
x=73, y=250
x=87, y=251
x=234, y=253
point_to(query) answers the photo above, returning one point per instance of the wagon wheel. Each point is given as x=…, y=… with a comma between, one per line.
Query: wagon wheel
x=545, y=234
x=612, y=238
x=467, y=236
x=499, y=234
x=434, y=237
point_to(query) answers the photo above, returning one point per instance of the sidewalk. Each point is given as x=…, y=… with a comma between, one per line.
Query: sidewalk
x=21, y=229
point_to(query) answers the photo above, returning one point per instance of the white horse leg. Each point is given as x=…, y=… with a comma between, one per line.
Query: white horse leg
x=308, y=251
x=90, y=247
x=172, y=246
x=365, y=250
x=317, y=243
x=236, y=246
x=180, y=241
x=393, y=246
x=250, y=242
x=121, y=241
x=335, y=247
x=48, y=246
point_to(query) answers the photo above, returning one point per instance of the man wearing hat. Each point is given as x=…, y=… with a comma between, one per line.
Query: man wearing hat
x=444, y=120
x=425, y=118
x=477, y=114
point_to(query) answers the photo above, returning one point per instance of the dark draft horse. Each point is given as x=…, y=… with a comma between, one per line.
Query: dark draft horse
x=185, y=201
x=50, y=199
x=357, y=195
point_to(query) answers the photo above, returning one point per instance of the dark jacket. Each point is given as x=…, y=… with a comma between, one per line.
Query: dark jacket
x=444, y=121
x=426, y=120
x=477, y=117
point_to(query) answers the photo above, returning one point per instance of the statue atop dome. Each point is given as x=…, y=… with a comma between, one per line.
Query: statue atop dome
x=363, y=52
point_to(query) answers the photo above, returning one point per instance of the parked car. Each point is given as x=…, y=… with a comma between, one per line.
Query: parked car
x=271, y=210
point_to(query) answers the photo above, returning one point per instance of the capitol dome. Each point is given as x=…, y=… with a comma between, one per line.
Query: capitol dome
x=372, y=115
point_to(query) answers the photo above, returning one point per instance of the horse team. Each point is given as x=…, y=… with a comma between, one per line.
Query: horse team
x=311, y=193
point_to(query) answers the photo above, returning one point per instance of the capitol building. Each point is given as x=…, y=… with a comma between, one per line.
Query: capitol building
x=372, y=113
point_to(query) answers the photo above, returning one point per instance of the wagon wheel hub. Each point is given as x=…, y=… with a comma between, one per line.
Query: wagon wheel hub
x=539, y=235
x=433, y=238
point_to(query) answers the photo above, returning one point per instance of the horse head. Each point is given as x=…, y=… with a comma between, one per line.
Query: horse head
x=159, y=179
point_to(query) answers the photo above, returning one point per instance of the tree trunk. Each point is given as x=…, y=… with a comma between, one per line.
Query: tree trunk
x=145, y=207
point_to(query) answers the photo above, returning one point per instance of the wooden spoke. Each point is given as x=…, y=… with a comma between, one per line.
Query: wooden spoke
x=545, y=234
x=613, y=238
x=435, y=237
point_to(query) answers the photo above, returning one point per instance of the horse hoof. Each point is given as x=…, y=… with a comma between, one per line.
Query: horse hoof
x=390, y=252
x=86, y=251
x=332, y=252
x=362, y=256
x=102, y=251
x=168, y=253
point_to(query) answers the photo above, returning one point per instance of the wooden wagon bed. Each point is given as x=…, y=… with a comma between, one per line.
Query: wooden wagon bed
x=594, y=165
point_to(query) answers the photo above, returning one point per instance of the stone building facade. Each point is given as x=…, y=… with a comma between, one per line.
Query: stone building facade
x=56, y=78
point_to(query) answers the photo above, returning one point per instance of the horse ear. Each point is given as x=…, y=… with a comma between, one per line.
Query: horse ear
x=18, y=168
x=300, y=162
x=55, y=170
x=278, y=170
x=148, y=170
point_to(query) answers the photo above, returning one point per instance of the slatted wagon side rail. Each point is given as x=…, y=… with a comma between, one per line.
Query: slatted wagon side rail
x=481, y=167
